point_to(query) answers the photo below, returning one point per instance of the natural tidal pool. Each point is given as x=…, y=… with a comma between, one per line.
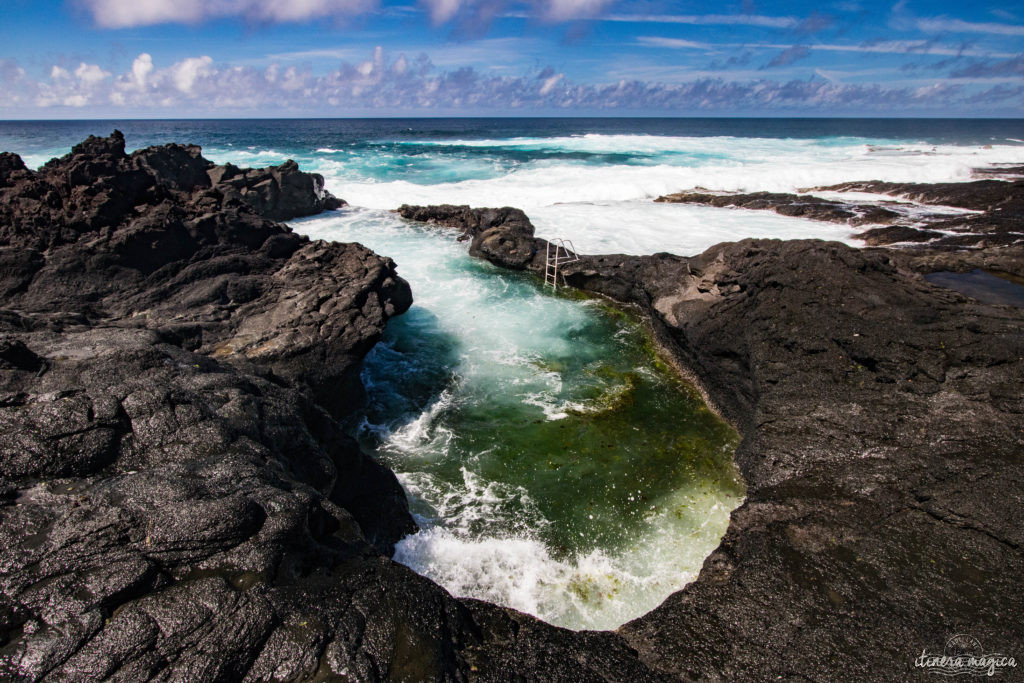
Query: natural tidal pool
x=554, y=464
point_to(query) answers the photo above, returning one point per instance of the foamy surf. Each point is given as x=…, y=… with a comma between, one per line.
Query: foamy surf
x=546, y=457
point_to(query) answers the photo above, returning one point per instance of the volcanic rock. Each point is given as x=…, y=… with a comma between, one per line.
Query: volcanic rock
x=502, y=236
x=786, y=204
x=177, y=496
x=991, y=212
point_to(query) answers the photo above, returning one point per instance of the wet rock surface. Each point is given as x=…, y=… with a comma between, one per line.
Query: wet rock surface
x=176, y=497
x=982, y=213
x=502, y=236
x=787, y=204
x=883, y=451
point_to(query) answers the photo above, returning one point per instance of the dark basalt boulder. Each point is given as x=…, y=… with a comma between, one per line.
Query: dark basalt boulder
x=279, y=192
x=502, y=236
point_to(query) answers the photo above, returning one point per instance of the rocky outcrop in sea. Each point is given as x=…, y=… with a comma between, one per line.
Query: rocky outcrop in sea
x=980, y=213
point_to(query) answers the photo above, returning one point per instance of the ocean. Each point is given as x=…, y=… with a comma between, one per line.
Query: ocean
x=554, y=463
x=588, y=180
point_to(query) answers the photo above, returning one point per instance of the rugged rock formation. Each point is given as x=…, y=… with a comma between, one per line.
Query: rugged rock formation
x=785, y=204
x=175, y=493
x=178, y=502
x=998, y=207
x=502, y=236
x=883, y=425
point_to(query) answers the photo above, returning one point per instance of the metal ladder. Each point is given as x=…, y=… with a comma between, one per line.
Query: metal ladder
x=557, y=254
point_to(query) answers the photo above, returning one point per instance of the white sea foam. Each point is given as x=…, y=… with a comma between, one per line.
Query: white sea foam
x=539, y=184
x=646, y=227
x=594, y=590
x=482, y=538
x=608, y=208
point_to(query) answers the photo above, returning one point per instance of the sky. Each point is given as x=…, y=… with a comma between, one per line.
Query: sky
x=311, y=58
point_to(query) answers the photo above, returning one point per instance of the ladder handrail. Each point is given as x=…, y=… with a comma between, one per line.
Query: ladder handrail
x=562, y=254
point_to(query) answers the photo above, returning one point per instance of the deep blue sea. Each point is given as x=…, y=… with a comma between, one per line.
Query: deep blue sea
x=554, y=465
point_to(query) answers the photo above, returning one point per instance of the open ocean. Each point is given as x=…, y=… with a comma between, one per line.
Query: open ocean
x=553, y=463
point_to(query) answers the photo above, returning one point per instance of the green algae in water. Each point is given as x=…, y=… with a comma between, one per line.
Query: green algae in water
x=556, y=465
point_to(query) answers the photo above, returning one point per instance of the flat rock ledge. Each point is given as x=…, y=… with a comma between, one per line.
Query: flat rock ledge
x=883, y=450
x=977, y=214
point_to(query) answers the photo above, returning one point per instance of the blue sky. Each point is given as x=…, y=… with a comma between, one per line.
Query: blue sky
x=169, y=58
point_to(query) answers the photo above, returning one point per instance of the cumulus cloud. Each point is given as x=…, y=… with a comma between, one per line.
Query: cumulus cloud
x=413, y=84
x=84, y=85
x=141, y=68
x=125, y=13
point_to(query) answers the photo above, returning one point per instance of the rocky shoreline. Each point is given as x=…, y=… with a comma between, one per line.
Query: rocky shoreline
x=980, y=213
x=178, y=502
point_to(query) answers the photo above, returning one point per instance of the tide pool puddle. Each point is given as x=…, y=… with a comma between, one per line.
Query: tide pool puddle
x=554, y=464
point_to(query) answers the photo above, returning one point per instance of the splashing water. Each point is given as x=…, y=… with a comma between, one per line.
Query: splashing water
x=555, y=466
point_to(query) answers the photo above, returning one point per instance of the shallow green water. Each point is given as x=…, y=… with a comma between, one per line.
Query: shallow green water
x=554, y=463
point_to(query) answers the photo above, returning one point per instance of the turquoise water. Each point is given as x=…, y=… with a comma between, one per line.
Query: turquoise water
x=555, y=465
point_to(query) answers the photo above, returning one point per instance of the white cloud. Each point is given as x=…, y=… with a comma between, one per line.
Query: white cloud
x=125, y=13
x=400, y=84
x=676, y=43
x=564, y=10
x=121, y=13
x=708, y=19
x=550, y=83
x=79, y=88
x=943, y=25
x=91, y=75
x=141, y=68
x=186, y=72
x=442, y=11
